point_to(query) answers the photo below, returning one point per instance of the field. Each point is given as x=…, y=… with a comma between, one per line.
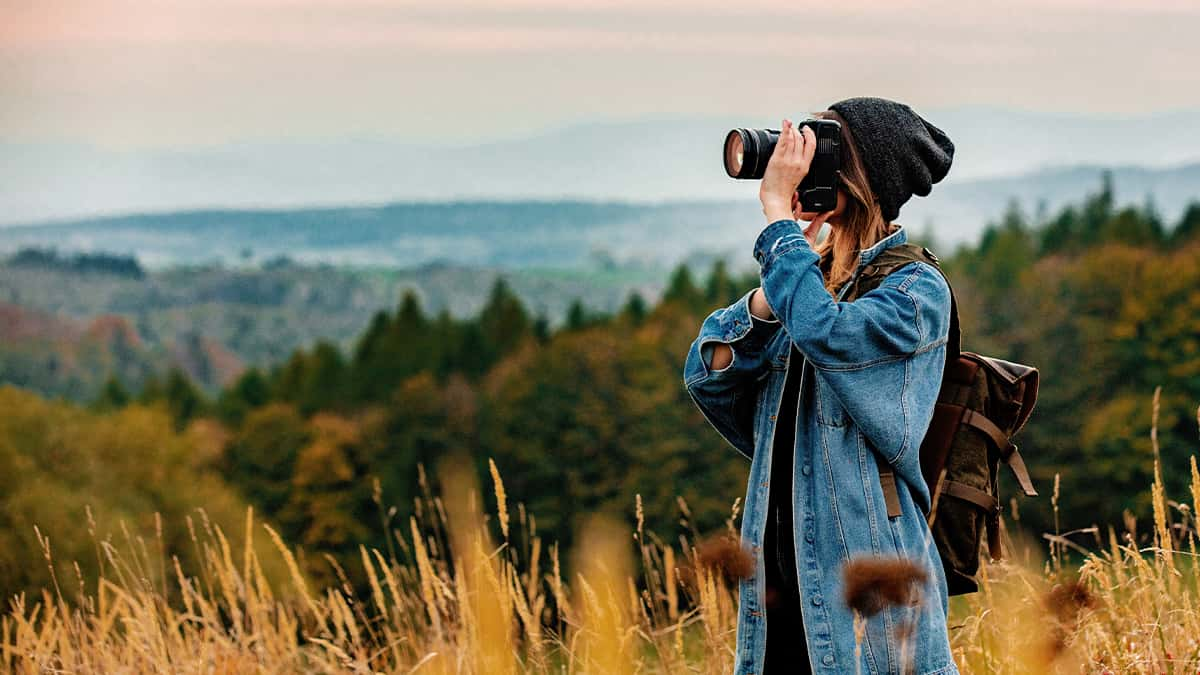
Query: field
x=469, y=592
x=599, y=541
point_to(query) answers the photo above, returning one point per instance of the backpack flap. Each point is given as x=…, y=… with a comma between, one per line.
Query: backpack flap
x=1020, y=386
x=1025, y=381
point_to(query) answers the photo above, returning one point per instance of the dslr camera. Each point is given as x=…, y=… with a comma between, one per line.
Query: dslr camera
x=748, y=150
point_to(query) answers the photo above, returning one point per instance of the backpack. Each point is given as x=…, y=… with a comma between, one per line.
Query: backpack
x=982, y=403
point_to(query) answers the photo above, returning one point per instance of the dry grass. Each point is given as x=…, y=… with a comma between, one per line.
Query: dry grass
x=512, y=604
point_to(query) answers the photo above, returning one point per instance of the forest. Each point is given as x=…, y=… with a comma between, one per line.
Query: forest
x=591, y=417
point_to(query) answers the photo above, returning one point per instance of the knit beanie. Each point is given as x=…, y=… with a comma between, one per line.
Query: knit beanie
x=904, y=154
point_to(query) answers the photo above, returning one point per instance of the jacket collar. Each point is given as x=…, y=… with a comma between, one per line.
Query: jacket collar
x=865, y=256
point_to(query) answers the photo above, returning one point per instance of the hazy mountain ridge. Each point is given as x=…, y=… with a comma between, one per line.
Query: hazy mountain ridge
x=556, y=234
x=656, y=160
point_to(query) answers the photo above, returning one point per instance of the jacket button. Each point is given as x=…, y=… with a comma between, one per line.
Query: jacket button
x=827, y=659
x=806, y=469
x=808, y=536
x=816, y=601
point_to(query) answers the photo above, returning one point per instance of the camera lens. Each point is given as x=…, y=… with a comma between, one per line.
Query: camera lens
x=747, y=151
x=735, y=149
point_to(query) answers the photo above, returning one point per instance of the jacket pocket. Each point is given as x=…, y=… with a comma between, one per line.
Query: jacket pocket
x=830, y=411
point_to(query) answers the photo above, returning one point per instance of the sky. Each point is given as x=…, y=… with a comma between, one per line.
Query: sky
x=138, y=74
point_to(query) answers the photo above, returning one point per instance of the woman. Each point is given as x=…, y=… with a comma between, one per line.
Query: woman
x=820, y=393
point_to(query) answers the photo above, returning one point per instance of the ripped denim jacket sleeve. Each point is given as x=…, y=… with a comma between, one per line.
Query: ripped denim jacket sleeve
x=727, y=396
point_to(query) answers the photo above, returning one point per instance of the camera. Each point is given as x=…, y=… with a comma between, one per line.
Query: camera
x=747, y=151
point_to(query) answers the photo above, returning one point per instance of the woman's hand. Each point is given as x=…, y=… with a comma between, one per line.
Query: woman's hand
x=787, y=167
x=813, y=228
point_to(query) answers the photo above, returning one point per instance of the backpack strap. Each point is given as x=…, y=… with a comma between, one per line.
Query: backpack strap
x=892, y=259
x=1008, y=450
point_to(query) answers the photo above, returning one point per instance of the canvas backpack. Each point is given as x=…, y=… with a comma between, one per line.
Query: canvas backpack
x=982, y=403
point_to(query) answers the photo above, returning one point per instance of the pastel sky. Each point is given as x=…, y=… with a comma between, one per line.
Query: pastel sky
x=174, y=73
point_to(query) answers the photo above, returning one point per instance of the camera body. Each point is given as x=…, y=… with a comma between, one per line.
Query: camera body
x=747, y=151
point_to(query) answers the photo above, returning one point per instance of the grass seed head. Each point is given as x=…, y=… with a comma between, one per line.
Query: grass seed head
x=875, y=583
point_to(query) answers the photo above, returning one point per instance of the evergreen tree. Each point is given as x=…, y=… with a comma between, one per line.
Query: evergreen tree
x=635, y=308
x=541, y=329
x=251, y=391
x=474, y=351
x=504, y=320
x=719, y=290
x=287, y=383
x=113, y=396
x=323, y=386
x=1062, y=233
x=577, y=315
x=261, y=457
x=682, y=289
x=184, y=400
x=369, y=346
x=410, y=317
x=1188, y=226
x=1098, y=208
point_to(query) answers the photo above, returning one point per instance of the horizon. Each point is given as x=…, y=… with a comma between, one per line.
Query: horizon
x=521, y=200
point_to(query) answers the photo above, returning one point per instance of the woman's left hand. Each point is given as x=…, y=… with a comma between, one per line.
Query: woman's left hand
x=787, y=167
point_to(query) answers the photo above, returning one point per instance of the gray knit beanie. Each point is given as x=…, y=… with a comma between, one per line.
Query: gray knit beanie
x=904, y=154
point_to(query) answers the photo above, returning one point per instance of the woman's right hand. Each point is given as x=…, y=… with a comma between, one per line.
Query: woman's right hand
x=787, y=167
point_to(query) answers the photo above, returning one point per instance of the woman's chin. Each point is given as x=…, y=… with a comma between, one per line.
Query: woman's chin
x=807, y=216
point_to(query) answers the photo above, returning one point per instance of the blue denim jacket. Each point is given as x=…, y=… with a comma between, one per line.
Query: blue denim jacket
x=870, y=377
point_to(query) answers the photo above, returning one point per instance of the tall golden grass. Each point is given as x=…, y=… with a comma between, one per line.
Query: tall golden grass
x=475, y=590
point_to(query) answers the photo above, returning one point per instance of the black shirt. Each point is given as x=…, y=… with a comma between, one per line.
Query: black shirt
x=778, y=542
x=786, y=650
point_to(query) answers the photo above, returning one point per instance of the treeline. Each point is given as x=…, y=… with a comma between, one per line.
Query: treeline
x=1105, y=300
x=103, y=263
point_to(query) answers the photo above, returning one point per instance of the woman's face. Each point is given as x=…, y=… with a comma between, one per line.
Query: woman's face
x=808, y=216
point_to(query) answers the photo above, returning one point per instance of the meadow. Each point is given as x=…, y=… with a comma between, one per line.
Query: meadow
x=469, y=587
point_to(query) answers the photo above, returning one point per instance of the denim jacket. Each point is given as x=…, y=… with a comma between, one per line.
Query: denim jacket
x=870, y=377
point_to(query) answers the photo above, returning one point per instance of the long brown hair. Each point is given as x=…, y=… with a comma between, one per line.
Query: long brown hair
x=860, y=224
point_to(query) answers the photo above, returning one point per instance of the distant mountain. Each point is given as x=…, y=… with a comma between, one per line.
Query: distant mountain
x=563, y=234
x=660, y=160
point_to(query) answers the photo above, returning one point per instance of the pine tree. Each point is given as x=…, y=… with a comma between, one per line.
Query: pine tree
x=184, y=400
x=577, y=315
x=719, y=290
x=1188, y=226
x=504, y=320
x=323, y=387
x=251, y=391
x=635, y=308
x=682, y=289
x=112, y=396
